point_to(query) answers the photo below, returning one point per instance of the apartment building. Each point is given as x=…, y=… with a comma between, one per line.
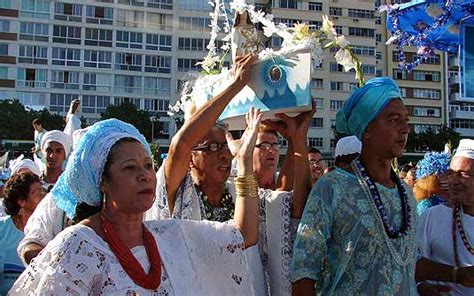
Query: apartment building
x=111, y=51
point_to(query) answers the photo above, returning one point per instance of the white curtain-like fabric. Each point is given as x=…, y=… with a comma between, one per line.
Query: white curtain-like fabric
x=73, y=123
x=198, y=258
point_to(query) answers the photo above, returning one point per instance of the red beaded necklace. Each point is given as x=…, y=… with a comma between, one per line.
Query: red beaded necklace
x=457, y=224
x=129, y=263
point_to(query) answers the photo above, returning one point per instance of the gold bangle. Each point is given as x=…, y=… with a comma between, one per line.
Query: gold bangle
x=246, y=186
x=454, y=274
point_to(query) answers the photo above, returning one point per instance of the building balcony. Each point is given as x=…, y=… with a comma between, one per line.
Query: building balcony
x=453, y=62
x=454, y=79
x=454, y=96
x=7, y=83
x=461, y=114
x=465, y=132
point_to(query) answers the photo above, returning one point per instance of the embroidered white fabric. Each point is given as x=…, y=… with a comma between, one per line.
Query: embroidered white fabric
x=277, y=229
x=198, y=258
x=43, y=225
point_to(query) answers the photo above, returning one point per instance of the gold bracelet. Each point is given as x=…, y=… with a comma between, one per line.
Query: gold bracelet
x=246, y=186
x=454, y=274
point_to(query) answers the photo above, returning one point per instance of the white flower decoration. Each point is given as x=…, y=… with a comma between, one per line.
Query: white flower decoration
x=344, y=58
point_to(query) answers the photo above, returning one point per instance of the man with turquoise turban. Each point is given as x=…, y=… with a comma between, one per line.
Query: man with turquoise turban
x=357, y=235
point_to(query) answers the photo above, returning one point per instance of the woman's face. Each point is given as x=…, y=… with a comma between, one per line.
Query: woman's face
x=35, y=195
x=130, y=182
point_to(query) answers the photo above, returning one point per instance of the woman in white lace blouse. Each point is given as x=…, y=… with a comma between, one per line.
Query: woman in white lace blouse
x=114, y=252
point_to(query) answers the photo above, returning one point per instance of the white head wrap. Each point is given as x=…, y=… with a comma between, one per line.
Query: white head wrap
x=348, y=145
x=24, y=163
x=465, y=149
x=57, y=136
x=77, y=135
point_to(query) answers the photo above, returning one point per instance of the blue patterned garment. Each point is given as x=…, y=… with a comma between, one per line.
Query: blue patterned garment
x=341, y=244
x=425, y=204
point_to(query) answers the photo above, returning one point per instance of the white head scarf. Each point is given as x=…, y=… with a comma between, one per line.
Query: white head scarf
x=348, y=145
x=465, y=149
x=24, y=163
x=57, y=136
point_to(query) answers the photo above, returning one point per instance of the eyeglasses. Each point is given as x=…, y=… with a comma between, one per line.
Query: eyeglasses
x=268, y=146
x=212, y=147
x=460, y=174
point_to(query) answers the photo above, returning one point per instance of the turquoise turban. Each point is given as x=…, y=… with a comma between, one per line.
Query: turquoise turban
x=365, y=104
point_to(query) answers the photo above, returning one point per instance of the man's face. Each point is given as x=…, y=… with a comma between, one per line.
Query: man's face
x=213, y=165
x=461, y=180
x=265, y=159
x=388, y=133
x=55, y=155
x=317, y=168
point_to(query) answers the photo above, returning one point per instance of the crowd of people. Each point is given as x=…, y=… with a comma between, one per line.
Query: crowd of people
x=96, y=217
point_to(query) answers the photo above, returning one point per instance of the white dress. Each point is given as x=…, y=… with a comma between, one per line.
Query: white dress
x=276, y=233
x=43, y=225
x=435, y=241
x=198, y=258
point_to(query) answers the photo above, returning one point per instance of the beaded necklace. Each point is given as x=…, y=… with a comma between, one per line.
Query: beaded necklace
x=457, y=224
x=222, y=214
x=129, y=263
x=379, y=212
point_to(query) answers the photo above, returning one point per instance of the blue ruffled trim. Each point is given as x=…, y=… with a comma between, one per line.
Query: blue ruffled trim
x=425, y=204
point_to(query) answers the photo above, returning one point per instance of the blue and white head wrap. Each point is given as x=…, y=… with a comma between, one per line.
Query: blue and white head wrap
x=365, y=104
x=434, y=163
x=79, y=183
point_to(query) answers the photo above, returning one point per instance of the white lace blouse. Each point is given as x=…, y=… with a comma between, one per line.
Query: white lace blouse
x=79, y=262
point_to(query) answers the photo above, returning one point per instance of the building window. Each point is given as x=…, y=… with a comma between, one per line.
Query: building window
x=31, y=77
x=99, y=15
x=66, y=57
x=130, y=18
x=185, y=65
x=160, y=21
x=364, y=50
x=4, y=26
x=157, y=105
x=315, y=6
x=6, y=4
x=120, y=100
x=128, y=84
x=423, y=128
x=68, y=12
x=336, y=104
x=362, y=32
x=361, y=13
x=427, y=112
x=128, y=61
x=3, y=73
x=157, y=64
x=333, y=123
x=65, y=79
x=317, y=122
x=3, y=49
x=98, y=37
x=337, y=85
x=34, y=9
x=338, y=29
x=193, y=44
x=33, y=54
x=67, y=34
x=319, y=103
x=399, y=74
x=34, y=31
x=315, y=142
x=424, y=93
x=129, y=39
x=353, y=86
x=97, y=82
x=158, y=42
x=163, y=4
x=335, y=67
x=288, y=4
x=403, y=92
x=132, y=2
x=158, y=86
x=368, y=69
x=337, y=11
x=426, y=76
x=97, y=59
x=194, y=23
x=317, y=83
x=94, y=104
x=61, y=102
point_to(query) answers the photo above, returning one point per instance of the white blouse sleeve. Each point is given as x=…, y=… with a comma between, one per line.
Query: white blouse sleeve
x=69, y=265
x=423, y=233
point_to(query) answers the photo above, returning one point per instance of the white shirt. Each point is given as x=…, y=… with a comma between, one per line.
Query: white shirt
x=435, y=241
x=43, y=225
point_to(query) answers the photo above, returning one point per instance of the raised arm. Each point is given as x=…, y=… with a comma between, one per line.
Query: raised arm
x=246, y=186
x=194, y=129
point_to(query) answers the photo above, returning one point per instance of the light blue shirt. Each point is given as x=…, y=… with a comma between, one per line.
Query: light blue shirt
x=342, y=246
x=10, y=264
